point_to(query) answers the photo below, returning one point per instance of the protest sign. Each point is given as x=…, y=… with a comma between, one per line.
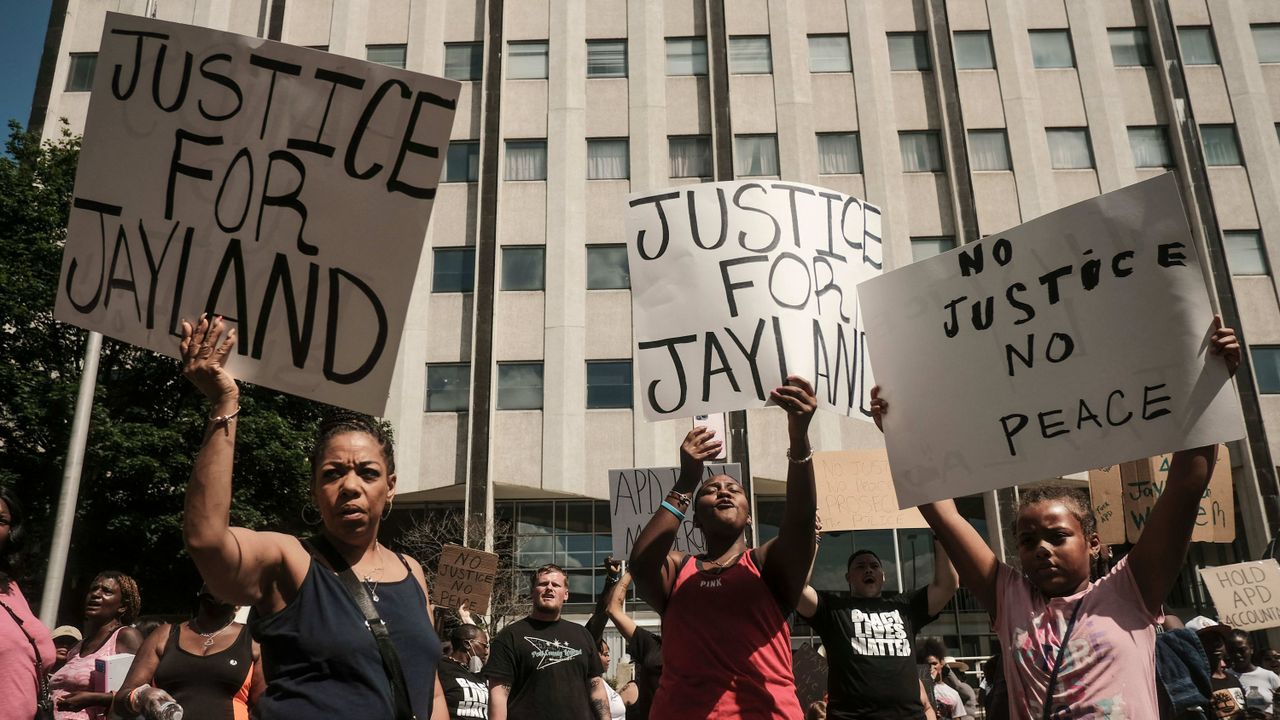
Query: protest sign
x=465, y=575
x=855, y=492
x=635, y=494
x=1246, y=595
x=736, y=285
x=1106, y=496
x=1144, y=482
x=283, y=188
x=1077, y=340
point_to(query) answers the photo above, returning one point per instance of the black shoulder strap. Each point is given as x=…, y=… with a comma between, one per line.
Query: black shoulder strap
x=360, y=596
x=42, y=678
x=1062, y=652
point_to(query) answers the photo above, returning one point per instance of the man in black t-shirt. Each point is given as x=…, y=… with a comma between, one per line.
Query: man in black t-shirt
x=466, y=693
x=870, y=638
x=545, y=668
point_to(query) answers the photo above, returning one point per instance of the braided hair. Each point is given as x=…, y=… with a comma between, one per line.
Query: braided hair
x=345, y=421
x=130, y=597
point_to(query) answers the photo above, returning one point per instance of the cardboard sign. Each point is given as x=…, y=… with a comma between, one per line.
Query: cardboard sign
x=1144, y=482
x=465, y=575
x=635, y=494
x=1246, y=595
x=855, y=492
x=284, y=188
x=1075, y=341
x=736, y=285
x=1106, y=495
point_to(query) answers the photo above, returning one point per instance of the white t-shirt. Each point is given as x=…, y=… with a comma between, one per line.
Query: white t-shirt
x=617, y=708
x=1266, y=681
x=949, y=699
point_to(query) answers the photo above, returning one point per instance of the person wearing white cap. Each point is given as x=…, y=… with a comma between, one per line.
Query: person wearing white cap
x=953, y=674
x=65, y=637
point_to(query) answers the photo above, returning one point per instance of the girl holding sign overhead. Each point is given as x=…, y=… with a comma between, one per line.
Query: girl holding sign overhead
x=726, y=644
x=1076, y=648
x=315, y=603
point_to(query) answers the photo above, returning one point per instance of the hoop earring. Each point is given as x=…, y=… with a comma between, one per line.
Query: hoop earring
x=386, y=513
x=311, y=506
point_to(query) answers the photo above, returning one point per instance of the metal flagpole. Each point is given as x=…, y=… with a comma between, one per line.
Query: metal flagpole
x=70, y=484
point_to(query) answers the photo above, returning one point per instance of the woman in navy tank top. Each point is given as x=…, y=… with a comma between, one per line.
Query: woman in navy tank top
x=318, y=656
x=726, y=647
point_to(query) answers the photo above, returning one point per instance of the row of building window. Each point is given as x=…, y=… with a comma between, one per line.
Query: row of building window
x=838, y=153
x=523, y=267
x=520, y=386
x=752, y=54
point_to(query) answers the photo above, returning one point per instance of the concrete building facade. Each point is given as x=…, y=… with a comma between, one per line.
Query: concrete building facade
x=960, y=118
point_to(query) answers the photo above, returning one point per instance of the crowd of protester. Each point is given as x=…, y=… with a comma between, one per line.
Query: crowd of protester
x=341, y=626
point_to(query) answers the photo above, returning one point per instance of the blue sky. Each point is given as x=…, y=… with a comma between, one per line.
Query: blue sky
x=21, y=42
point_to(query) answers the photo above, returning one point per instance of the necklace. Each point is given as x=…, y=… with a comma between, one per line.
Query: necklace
x=722, y=564
x=208, y=637
x=369, y=582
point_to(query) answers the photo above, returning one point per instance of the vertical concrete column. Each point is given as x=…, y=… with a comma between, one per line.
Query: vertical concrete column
x=564, y=315
x=1102, y=103
x=349, y=28
x=792, y=91
x=212, y=14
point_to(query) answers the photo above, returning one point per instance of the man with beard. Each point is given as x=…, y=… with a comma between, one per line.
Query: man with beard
x=869, y=638
x=537, y=665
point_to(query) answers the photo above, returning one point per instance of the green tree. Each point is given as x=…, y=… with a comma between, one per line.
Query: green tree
x=147, y=420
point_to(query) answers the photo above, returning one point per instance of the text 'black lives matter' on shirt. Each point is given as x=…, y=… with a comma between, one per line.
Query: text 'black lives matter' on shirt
x=549, y=666
x=871, y=653
x=466, y=694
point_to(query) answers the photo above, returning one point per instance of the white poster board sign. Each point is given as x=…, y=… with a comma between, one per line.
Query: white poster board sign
x=284, y=188
x=635, y=494
x=736, y=285
x=1075, y=341
x=1246, y=595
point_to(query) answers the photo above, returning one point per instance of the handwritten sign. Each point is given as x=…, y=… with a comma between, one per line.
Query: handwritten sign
x=465, y=575
x=635, y=494
x=284, y=188
x=855, y=492
x=1246, y=595
x=1106, y=495
x=1144, y=482
x=1075, y=341
x=736, y=285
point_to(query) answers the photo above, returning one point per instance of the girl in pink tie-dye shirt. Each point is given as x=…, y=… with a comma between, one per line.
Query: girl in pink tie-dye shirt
x=1107, y=667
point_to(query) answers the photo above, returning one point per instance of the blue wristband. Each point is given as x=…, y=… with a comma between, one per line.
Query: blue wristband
x=673, y=510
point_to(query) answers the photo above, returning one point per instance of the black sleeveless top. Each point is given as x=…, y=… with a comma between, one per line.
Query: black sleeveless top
x=206, y=686
x=321, y=661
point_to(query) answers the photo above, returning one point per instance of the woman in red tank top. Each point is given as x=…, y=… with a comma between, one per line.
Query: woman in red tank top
x=726, y=645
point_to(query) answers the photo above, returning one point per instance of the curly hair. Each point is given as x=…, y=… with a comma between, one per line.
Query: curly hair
x=1075, y=501
x=345, y=421
x=11, y=551
x=130, y=597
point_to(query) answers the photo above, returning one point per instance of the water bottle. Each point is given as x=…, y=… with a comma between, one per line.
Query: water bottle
x=169, y=710
x=1254, y=700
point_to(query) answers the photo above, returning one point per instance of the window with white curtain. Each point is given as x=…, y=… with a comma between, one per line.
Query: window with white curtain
x=462, y=162
x=921, y=151
x=463, y=61
x=80, y=75
x=390, y=55
x=606, y=58
x=908, y=51
x=690, y=156
x=755, y=155
x=1051, y=49
x=1220, y=145
x=1150, y=146
x=526, y=159
x=526, y=60
x=1266, y=41
x=520, y=386
x=750, y=55
x=927, y=247
x=608, y=159
x=973, y=50
x=989, y=150
x=1130, y=47
x=524, y=267
x=687, y=56
x=829, y=53
x=1069, y=148
x=1245, y=253
x=1198, y=47
x=839, y=154
x=607, y=267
